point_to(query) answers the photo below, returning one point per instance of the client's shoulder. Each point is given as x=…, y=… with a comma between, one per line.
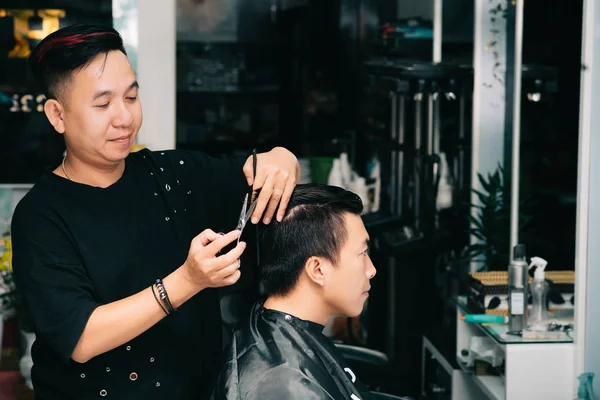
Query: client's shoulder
x=257, y=336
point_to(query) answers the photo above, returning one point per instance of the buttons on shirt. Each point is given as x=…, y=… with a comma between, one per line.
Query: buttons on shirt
x=133, y=376
x=151, y=359
x=82, y=376
x=181, y=162
x=103, y=393
x=128, y=348
x=168, y=187
x=288, y=318
x=107, y=369
x=157, y=384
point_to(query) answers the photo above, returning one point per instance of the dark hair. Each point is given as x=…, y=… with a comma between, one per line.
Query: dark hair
x=313, y=226
x=70, y=49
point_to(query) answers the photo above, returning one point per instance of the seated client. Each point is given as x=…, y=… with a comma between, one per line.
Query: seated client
x=314, y=265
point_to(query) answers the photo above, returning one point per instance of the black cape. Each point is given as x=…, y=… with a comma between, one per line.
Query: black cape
x=279, y=356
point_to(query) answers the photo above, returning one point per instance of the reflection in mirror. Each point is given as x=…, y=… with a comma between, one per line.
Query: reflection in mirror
x=457, y=30
x=549, y=130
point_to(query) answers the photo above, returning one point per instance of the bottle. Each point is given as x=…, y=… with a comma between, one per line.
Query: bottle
x=375, y=188
x=444, y=194
x=538, y=316
x=335, y=175
x=345, y=170
x=517, y=291
x=586, y=386
x=484, y=318
x=359, y=186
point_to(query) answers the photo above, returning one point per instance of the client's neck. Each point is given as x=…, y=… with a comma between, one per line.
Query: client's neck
x=303, y=304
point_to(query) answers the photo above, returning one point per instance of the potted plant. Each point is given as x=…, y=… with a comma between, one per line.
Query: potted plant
x=8, y=296
x=11, y=303
x=490, y=223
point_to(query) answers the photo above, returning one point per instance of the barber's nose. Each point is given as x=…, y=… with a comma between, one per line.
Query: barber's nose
x=123, y=117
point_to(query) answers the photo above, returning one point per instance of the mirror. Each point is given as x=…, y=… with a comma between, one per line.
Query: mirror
x=548, y=131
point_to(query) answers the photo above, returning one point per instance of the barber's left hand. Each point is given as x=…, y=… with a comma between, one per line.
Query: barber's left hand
x=276, y=175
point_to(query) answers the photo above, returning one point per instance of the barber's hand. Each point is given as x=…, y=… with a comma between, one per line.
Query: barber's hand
x=276, y=176
x=205, y=268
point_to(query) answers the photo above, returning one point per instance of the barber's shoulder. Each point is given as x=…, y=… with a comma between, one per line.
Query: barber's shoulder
x=34, y=212
x=35, y=200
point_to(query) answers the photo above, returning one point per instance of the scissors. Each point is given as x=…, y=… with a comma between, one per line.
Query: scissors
x=247, y=211
x=245, y=215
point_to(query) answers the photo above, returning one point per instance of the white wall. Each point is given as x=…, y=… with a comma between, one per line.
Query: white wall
x=156, y=72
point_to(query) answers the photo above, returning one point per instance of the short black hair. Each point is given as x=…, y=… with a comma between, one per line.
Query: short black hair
x=70, y=49
x=313, y=226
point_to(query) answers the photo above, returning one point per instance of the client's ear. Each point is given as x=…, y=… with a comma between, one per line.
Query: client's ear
x=316, y=270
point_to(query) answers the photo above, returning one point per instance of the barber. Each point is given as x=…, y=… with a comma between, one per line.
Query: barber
x=115, y=253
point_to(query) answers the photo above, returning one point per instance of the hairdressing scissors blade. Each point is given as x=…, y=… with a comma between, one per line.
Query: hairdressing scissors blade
x=242, y=219
x=248, y=199
x=245, y=214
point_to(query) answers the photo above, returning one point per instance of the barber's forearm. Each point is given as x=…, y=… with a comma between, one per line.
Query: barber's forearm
x=114, y=324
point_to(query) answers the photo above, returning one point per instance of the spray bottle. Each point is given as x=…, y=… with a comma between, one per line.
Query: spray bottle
x=538, y=317
x=586, y=387
x=517, y=291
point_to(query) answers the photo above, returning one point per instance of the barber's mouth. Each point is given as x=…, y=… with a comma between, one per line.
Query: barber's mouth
x=121, y=140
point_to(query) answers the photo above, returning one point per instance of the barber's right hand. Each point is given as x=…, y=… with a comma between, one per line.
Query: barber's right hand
x=206, y=268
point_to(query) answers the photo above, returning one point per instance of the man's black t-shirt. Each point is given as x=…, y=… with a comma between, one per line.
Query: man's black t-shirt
x=77, y=247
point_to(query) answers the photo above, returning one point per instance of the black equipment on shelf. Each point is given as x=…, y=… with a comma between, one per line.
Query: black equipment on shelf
x=428, y=115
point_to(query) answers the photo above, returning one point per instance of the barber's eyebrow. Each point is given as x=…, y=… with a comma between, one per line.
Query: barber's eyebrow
x=97, y=95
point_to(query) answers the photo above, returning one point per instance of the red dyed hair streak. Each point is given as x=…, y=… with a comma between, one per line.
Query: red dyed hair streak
x=72, y=40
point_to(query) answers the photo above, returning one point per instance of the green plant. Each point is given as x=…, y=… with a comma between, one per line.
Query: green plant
x=498, y=10
x=490, y=223
x=10, y=298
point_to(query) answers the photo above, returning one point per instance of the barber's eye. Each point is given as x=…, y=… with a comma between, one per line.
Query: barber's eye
x=103, y=105
x=134, y=98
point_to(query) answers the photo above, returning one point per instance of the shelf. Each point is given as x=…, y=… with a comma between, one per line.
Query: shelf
x=499, y=332
x=234, y=89
x=492, y=386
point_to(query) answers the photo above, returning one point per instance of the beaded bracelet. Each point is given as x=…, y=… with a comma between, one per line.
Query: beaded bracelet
x=158, y=301
x=164, y=296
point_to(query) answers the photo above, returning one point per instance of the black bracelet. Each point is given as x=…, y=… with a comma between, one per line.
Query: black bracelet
x=164, y=296
x=158, y=301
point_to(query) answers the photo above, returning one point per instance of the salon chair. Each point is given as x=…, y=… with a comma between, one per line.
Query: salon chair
x=362, y=355
x=372, y=366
